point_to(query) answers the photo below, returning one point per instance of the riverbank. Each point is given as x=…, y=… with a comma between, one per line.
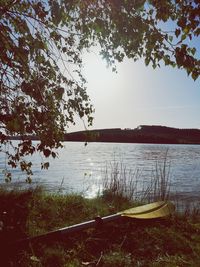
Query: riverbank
x=172, y=241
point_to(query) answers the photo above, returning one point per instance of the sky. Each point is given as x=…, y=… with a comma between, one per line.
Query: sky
x=139, y=95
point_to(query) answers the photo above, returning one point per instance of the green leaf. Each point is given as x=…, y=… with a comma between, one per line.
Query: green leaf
x=53, y=154
x=56, y=12
x=47, y=152
x=59, y=93
x=177, y=32
x=183, y=37
x=170, y=38
x=186, y=30
x=147, y=60
x=194, y=75
x=193, y=51
x=29, y=180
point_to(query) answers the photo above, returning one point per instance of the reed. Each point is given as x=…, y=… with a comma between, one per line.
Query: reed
x=159, y=186
x=118, y=181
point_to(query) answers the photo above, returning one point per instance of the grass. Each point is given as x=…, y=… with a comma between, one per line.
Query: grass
x=118, y=181
x=173, y=241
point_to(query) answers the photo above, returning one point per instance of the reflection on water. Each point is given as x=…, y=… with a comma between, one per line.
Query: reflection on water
x=81, y=167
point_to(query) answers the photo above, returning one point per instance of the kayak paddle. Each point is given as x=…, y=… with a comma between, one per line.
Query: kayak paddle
x=149, y=211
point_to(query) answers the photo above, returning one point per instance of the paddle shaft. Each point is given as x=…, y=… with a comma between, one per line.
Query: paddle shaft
x=154, y=210
x=71, y=229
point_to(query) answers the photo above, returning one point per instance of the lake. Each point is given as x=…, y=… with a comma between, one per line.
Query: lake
x=81, y=168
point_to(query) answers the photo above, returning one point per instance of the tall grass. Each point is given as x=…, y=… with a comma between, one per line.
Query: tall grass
x=118, y=181
x=159, y=186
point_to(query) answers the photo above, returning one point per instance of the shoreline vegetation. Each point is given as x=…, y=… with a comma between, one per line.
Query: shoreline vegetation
x=171, y=241
x=141, y=134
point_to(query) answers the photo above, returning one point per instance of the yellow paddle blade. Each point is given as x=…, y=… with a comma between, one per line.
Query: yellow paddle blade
x=144, y=208
x=150, y=211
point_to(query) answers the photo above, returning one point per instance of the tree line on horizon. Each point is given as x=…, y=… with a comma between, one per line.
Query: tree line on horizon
x=145, y=134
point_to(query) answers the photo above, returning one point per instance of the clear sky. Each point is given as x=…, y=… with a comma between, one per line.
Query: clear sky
x=139, y=95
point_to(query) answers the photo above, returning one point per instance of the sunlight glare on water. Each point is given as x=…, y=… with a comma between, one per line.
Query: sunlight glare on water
x=81, y=168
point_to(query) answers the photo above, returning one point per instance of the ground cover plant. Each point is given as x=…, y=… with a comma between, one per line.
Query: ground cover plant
x=172, y=241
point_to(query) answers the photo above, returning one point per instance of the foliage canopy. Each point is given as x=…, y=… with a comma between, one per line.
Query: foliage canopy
x=41, y=42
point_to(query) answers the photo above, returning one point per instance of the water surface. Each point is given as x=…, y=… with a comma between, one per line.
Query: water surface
x=81, y=168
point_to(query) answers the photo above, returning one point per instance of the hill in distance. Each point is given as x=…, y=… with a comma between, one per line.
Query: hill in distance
x=141, y=134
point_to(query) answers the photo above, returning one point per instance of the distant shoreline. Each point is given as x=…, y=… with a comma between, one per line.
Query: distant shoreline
x=142, y=134
x=147, y=143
